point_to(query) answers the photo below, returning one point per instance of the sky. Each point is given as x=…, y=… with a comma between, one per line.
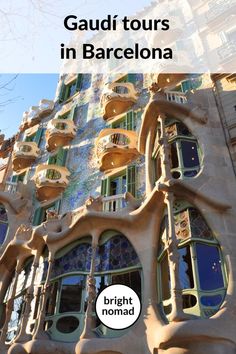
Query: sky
x=27, y=90
x=24, y=91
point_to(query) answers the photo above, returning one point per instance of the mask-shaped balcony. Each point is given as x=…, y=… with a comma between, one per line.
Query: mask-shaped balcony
x=50, y=181
x=118, y=98
x=60, y=132
x=24, y=154
x=116, y=148
x=36, y=113
x=45, y=107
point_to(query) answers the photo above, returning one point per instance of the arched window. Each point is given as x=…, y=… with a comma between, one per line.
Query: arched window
x=65, y=307
x=23, y=282
x=115, y=262
x=201, y=266
x=184, y=149
x=3, y=224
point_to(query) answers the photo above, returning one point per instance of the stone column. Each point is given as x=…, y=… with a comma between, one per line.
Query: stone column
x=89, y=320
x=165, y=150
x=149, y=162
x=23, y=336
x=10, y=303
x=177, y=313
x=39, y=331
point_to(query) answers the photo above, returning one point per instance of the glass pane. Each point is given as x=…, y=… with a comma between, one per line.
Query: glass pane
x=199, y=227
x=3, y=214
x=213, y=300
x=51, y=301
x=77, y=259
x=67, y=324
x=182, y=227
x=174, y=156
x=16, y=313
x=116, y=253
x=209, y=267
x=189, y=301
x=131, y=279
x=72, y=89
x=185, y=268
x=189, y=153
x=71, y=293
x=3, y=232
x=165, y=278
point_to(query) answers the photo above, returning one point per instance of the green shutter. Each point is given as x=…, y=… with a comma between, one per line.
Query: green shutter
x=104, y=187
x=72, y=113
x=37, y=216
x=14, y=178
x=186, y=85
x=79, y=82
x=38, y=136
x=131, y=78
x=130, y=120
x=57, y=205
x=52, y=160
x=62, y=93
x=131, y=180
x=61, y=157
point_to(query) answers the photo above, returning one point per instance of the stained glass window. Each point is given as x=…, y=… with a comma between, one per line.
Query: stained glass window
x=201, y=272
x=75, y=260
x=116, y=253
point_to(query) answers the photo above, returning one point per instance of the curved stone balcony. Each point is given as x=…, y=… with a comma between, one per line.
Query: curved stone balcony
x=36, y=113
x=24, y=154
x=118, y=98
x=50, y=181
x=116, y=148
x=60, y=132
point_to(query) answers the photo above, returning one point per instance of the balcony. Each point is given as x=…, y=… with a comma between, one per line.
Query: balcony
x=177, y=97
x=50, y=181
x=36, y=113
x=116, y=148
x=117, y=99
x=114, y=203
x=24, y=154
x=227, y=52
x=218, y=11
x=60, y=132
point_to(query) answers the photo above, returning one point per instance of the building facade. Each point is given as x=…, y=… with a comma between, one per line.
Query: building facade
x=126, y=179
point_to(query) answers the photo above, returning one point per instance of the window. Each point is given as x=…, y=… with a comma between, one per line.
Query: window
x=114, y=187
x=23, y=282
x=36, y=137
x=40, y=214
x=70, y=89
x=59, y=158
x=116, y=262
x=3, y=224
x=185, y=153
x=128, y=121
x=201, y=269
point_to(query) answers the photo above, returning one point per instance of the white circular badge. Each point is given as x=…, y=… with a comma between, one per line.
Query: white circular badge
x=118, y=306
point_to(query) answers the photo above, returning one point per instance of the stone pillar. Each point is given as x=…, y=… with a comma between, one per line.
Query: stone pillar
x=149, y=162
x=23, y=336
x=177, y=313
x=165, y=150
x=10, y=303
x=89, y=320
x=39, y=331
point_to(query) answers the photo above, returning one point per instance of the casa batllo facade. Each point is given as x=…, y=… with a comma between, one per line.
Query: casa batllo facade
x=121, y=180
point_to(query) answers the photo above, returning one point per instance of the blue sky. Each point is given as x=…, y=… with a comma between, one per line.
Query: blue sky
x=28, y=89
x=25, y=91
